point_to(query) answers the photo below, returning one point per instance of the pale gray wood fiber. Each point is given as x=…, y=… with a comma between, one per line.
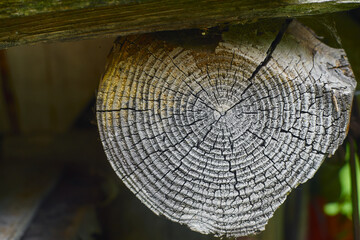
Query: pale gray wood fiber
x=216, y=139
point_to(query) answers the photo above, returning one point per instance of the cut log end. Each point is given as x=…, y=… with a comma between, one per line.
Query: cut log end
x=217, y=139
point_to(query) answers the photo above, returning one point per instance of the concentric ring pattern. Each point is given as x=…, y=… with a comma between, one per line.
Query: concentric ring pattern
x=202, y=142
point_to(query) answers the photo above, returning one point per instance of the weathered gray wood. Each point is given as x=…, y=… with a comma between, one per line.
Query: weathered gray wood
x=23, y=22
x=23, y=188
x=69, y=212
x=217, y=138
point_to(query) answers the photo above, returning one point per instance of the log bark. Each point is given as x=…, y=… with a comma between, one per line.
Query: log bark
x=215, y=131
x=43, y=21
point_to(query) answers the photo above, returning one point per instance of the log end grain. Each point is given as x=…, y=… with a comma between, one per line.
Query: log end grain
x=217, y=139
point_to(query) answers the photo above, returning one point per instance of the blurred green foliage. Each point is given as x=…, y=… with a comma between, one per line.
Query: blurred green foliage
x=343, y=204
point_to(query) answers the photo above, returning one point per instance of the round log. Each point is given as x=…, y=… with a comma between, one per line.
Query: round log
x=216, y=138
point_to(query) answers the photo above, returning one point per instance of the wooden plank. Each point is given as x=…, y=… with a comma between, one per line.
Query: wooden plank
x=8, y=96
x=54, y=82
x=23, y=188
x=69, y=212
x=43, y=21
x=75, y=147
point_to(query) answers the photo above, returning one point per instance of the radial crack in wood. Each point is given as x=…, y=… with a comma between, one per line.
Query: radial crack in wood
x=217, y=138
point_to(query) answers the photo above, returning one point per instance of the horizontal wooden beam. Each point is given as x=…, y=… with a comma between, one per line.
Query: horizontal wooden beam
x=23, y=186
x=24, y=22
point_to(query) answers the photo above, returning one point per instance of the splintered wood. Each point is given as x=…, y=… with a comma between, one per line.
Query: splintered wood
x=217, y=138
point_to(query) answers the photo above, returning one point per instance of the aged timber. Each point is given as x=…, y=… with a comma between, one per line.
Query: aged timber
x=23, y=22
x=217, y=137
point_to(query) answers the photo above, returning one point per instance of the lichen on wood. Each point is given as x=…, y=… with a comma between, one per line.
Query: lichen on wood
x=217, y=138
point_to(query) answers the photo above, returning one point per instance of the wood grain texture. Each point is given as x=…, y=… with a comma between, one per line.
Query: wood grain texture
x=23, y=188
x=216, y=138
x=69, y=212
x=23, y=22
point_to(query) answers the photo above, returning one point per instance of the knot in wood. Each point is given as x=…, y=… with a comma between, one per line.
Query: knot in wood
x=202, y=140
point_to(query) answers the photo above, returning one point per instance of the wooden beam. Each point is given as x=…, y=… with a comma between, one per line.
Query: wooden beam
x=69, y=212
x=24, y=22
x=23, y=188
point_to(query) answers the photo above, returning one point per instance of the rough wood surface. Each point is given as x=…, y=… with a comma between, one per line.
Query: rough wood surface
x=69, y=212
x=217, y=137
x=23, y=188
x=23, y=22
